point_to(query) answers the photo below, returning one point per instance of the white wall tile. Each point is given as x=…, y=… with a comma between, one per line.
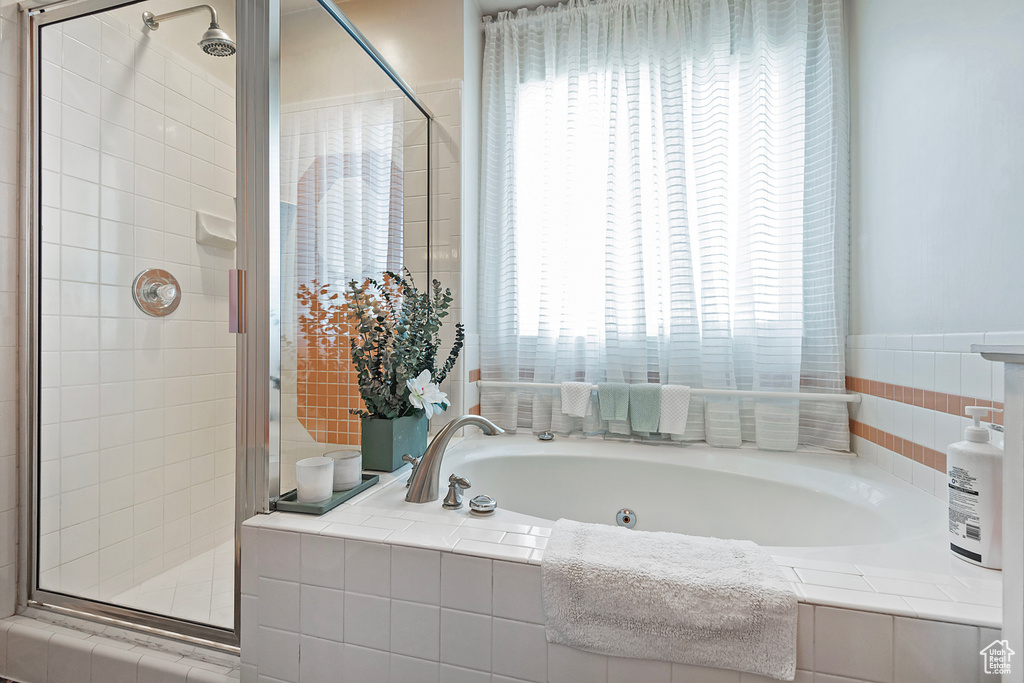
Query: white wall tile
x=457, y=674
x=415, y=629
x=323, y=611
x=466, y=639
x=323, y=561
x=368, y=567
x=27, y=653
x=947, y=373
x=976, y=376
x=623, y=670
x=368, y=621
x=279, y=605
x=364, y=664
x=903, y=368
x=114, y=665
x=466, y=583
x=519, y=650
x=320, y=660
x=924, y=370
x=279, y=653
x=934, y=652
x=277, y=553
x=853, y=644
x=517, y=591
x=416, y=575
x=568, y=665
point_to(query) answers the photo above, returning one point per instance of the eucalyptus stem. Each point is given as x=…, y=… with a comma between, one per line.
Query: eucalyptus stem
x=393, y=331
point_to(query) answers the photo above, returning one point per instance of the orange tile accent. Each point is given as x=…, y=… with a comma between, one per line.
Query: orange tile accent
x=908, y=449
x=951, y=404
x=928, y=400
x=327, y=389
x=475, y=410
x=474, y=375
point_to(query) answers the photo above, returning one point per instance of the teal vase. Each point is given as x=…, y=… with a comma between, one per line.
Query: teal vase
x=384, y=441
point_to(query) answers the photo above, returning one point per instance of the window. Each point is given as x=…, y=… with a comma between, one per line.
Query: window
x=663, y=199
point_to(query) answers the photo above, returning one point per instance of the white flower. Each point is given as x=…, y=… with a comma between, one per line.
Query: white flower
x=426, y=395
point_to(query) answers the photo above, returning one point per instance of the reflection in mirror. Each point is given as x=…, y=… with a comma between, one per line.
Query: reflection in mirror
x=353, y=204
x=137, y=407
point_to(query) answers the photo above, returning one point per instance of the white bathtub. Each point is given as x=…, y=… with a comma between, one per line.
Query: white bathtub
x=773, y=499
x=817, y=505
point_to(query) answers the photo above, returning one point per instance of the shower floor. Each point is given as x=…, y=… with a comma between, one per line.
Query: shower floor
x=199, y=589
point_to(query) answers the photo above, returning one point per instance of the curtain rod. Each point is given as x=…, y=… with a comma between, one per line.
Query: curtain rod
x=787, y=395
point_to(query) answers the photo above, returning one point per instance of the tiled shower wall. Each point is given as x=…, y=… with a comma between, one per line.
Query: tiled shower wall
x=914, y=389
x=137, y=444
x=9, y=252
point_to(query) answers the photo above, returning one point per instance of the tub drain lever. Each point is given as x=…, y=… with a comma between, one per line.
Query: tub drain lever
x=456, y=485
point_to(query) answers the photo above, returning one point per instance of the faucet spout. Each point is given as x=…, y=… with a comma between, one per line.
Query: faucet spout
x=425, y=479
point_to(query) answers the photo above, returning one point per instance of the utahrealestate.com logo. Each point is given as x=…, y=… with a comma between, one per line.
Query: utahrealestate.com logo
x=997, y=657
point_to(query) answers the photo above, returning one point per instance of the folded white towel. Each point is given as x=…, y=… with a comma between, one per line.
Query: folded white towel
x=665, y=596
x=675, y=408
x=576, y=398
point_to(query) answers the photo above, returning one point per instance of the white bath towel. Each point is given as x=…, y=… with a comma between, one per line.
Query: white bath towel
x=675, y=408
x=576, y=398
x=656, y=595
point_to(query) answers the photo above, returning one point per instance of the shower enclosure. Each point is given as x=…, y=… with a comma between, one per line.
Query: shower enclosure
x=171, y=382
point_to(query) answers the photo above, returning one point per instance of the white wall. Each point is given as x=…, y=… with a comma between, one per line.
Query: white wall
x=137, y=412
x=9, y=253
x=421, y=39
x=938, y=165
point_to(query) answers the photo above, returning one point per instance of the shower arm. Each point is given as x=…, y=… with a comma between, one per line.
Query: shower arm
x=153, y=21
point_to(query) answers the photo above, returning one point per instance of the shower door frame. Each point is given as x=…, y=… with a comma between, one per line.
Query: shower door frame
x=258, y=343
x=255, y=423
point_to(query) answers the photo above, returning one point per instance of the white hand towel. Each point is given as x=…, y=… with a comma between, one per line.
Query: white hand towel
x=675, y=407
x=666, y=596
x=576, y=398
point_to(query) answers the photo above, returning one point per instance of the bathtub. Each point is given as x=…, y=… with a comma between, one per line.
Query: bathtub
x=820, y=505
x=864, y=552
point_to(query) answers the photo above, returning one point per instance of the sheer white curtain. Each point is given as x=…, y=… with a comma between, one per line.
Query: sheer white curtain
x=665, y=190
x=341, y=193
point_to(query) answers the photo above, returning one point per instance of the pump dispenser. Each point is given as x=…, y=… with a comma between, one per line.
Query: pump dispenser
x=975, y=479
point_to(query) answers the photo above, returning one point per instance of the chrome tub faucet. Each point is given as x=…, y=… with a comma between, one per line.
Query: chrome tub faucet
x=425, y=478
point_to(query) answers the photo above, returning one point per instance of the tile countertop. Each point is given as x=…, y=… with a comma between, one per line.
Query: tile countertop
x=970, y=595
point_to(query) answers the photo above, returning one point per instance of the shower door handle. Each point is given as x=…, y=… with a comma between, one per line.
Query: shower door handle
x=236, y=301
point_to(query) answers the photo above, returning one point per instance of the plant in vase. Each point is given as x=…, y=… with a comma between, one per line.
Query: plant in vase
x=394, y=335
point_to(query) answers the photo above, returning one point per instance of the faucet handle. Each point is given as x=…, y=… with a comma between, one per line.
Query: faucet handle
x=456, y=485
x=415, y=462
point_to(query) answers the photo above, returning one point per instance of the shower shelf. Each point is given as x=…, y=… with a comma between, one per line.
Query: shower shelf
x=288, y=502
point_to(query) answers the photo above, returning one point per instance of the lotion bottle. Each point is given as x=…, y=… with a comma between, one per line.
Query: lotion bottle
x=975, y=478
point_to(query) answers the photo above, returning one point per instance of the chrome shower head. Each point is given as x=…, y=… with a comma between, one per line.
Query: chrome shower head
x=214, y=42
x=217, y=43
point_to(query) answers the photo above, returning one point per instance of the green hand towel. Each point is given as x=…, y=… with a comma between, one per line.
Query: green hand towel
x=614, y=400
x=644, y=407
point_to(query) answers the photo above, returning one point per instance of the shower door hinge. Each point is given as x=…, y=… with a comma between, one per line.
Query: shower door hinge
x=236, y=301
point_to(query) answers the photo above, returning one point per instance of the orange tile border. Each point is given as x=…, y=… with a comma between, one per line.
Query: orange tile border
x=951, y=404
x=475, y=410
x=474, y=375
x=908, y=449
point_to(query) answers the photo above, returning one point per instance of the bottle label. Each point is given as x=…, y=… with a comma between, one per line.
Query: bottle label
x=964, y=503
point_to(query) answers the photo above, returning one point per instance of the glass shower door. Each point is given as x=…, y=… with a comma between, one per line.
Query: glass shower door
x=354, y=158
x=137, y=383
